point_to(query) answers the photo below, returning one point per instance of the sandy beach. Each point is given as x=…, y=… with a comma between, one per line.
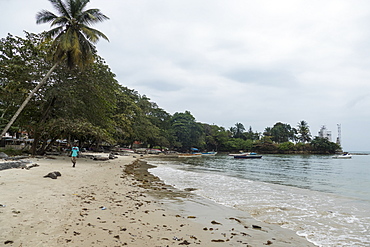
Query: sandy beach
x=118, y=203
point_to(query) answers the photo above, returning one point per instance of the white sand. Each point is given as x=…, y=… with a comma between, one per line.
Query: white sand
x=97, y=204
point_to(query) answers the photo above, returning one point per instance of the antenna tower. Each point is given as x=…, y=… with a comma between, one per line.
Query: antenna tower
x=339, y=138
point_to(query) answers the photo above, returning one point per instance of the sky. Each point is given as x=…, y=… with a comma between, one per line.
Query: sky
x=237, y=61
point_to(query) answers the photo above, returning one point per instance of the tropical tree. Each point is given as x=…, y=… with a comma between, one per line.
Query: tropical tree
x=281, y=132
x=238, y=130
x=187, y=132
x=323, y=145
x=73, y=39
x=304, y=134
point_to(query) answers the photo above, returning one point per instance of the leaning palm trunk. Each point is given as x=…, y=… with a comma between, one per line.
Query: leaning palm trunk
x=25, y=102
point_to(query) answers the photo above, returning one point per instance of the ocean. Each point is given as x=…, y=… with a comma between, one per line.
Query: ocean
x=325, y=200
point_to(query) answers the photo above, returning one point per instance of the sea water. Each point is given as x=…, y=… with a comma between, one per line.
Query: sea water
x=323, y=199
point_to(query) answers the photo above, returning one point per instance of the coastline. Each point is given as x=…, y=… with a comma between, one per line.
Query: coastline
x=118, y=203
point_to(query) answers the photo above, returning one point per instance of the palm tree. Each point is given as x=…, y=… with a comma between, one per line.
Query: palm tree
x=73, y=38
x=304, y=132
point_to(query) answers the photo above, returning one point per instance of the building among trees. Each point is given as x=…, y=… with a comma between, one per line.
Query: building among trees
x=325, y=133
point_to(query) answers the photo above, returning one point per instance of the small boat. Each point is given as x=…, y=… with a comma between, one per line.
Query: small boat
x=209, y=153
x=342, y=156
x=241, y=153
x=248, y=156
x=190, y=155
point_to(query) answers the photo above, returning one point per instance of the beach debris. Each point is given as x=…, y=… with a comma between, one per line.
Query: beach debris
x=215, y=222
x=2, y=205
x=8, y=242
x=102, y=208
x=217, y=240
x=176, y=238
x=190, y=189
x=101, y=158
x=245, y=234
x=256, y=227
x=237, y=220
x=184, y=243
x=112, y=156
x=31, y=166
x=191, y=217
x=53, y=175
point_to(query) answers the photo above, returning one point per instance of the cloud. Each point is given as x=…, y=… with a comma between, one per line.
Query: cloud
x=254, y=62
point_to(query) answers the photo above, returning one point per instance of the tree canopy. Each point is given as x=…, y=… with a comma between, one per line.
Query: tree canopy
x=90, y=105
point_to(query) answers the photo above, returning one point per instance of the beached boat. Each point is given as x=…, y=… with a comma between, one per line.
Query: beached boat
x=190, y=155
x=342, y=156
x=248, y=156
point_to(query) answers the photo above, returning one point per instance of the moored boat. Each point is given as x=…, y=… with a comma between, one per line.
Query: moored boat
x=209, y=153
x=342, y=156
x=248, y=156
x=190, y=155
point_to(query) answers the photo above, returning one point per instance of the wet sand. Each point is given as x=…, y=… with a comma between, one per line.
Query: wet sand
x=118, y=203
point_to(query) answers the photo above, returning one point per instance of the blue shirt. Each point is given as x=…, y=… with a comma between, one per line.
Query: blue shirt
x=75, y=151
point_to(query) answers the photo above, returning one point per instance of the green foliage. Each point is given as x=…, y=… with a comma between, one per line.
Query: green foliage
x=22, y=65
x=187, y=132
x=303, y=130
x=91, y=106
x=286, y=146
x=323, y=145
x=281, y=133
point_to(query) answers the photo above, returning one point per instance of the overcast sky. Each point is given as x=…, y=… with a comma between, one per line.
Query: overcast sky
x=228, y=61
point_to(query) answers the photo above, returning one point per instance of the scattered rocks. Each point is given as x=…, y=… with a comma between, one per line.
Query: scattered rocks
x=13, y=164
x=3, y=155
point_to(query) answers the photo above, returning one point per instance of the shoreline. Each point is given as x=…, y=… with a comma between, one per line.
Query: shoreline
x=104, y=203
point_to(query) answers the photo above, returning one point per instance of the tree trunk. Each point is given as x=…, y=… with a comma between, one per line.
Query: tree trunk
x=25, y=102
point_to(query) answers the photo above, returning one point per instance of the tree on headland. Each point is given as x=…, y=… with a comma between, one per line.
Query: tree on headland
x=73, y=39
x=303, y=130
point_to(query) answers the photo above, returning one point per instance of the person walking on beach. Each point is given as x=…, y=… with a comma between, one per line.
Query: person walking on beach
x=75, y=150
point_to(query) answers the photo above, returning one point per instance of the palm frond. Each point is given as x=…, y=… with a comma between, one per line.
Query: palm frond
x=92, y=16
x=77, y=6
x=53, y=32
x=61, y=21
x=45, y=16
x=92, y=34
x=60, y=7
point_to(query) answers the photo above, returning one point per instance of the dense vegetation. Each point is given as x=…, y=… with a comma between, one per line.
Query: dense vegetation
x=91, y=106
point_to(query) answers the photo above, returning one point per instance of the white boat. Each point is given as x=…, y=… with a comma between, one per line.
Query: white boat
x=209, y=153
x=342, y=156
x=248, y=156
x=239, y=154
